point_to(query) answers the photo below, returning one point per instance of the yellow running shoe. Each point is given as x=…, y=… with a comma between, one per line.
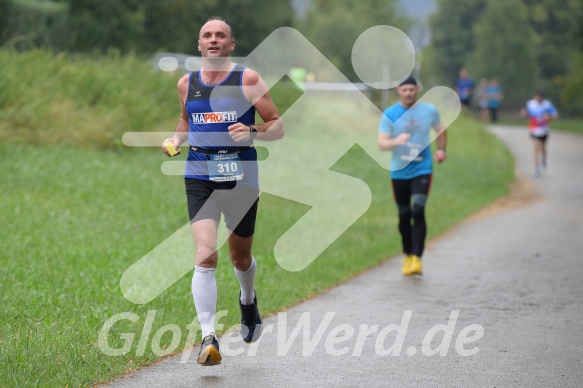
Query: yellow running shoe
x=407, y=265
x=416, y=265
x=209, y=351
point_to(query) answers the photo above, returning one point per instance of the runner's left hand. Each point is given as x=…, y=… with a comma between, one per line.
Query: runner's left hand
x=239, y=132
x=440, y=156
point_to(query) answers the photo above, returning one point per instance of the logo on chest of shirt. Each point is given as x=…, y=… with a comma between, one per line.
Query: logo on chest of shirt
x=214, y=117
x=413, y=126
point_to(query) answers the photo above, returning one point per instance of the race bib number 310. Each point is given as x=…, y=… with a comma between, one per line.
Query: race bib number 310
x=225, y=167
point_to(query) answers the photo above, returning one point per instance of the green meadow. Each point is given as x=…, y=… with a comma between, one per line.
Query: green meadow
x=78, y=208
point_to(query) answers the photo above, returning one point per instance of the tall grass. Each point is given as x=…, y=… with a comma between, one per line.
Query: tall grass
x=82, y=100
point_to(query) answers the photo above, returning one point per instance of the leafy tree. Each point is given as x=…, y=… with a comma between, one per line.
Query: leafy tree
x=252, y=21
x=4, y=12
x=554, y=23
x=572, y=87
x=334, y=25
x=97, y=25
x=173, y=25
x=25, y=24
x=452, y=39
x=505, y=48
x=572, y=83
x=135, y=25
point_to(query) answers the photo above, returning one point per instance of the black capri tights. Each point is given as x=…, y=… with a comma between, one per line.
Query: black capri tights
x=411, y=196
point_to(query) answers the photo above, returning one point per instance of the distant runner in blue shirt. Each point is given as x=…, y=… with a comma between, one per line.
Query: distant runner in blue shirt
x=464, y=88
x=495, y=96
x=405, y=130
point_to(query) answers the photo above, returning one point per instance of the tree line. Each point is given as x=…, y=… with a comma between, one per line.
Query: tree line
x=147, y=26
x=140, y=26
x=526, y=44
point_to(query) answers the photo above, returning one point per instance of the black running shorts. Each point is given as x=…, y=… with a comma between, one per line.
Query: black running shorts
x=238, y=203
x=542, y=138
x=403, y=189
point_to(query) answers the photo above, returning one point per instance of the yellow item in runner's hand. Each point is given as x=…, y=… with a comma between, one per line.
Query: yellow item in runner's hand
x=171, y=150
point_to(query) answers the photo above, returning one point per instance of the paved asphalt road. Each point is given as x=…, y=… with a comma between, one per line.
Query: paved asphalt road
x=508, y=287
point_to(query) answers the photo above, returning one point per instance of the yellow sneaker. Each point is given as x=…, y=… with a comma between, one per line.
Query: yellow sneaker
x=416, y=265
x=209, y=351
x=407, y=265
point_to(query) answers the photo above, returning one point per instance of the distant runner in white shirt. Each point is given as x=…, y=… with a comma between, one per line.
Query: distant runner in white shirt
x=539, y=112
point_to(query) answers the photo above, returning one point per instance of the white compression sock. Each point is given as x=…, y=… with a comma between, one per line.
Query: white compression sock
x=204, y=292
x=247, y=280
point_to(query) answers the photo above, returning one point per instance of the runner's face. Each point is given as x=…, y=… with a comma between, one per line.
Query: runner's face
x=408, y=94
x=215, y=39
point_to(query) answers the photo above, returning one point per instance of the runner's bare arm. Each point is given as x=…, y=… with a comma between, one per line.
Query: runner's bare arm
x=257, y=93
x=440, y=141
x=181, y=131
x=386, y=142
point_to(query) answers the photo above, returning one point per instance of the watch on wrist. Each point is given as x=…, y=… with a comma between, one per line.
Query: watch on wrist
x=441, y=148
x=253, y=130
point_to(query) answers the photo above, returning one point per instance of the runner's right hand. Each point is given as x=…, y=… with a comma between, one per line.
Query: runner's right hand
x=402, y=139
x=175, y=142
